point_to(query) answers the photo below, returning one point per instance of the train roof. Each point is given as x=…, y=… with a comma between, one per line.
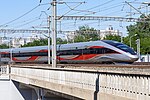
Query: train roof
x=80, y=45
x=24, y=49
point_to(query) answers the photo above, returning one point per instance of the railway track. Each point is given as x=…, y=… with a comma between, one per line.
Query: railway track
x=141, y=63
x=93, y=66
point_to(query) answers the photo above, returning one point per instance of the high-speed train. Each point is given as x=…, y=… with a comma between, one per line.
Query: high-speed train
x=104, y=51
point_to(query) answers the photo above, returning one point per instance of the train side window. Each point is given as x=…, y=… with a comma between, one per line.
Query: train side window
x=5, y=55
x=86, y=51
x=92, y=50
x=64, y=52
x=77, y=52
x=99, y=51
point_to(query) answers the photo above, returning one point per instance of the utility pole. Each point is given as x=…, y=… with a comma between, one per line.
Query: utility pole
x=138, y=48
x=49, y=43
x=54, y=33
x=121, y=37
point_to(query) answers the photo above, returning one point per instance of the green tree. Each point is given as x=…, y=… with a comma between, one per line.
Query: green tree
x=142, y=31
x=40, y=42
x=79, y=38
x=86, y=33
x=61, y=41
x=113, y=37
x=43, y=42
x=3, y=46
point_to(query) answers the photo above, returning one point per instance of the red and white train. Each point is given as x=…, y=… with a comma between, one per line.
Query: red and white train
x=104, y=51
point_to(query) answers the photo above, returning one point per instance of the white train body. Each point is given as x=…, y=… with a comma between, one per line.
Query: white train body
x=105, y=51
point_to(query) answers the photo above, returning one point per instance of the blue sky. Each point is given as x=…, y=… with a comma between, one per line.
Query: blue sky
x=12, y=11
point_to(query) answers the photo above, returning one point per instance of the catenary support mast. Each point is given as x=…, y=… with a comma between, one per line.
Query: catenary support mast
x=54, y=33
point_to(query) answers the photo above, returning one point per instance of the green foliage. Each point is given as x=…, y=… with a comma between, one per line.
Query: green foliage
x=113, y=37
x=40, y=42
x=145, y=45
x=86, y=28
x=61, y=41
x=3, y=46
x=85, y=33
x=142, y=31
x=79, y=38
x=43, y=42
x=126, y=40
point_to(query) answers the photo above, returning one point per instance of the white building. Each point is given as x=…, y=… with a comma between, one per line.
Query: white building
x=109, y=31
x=4, y=40
x=17, y=42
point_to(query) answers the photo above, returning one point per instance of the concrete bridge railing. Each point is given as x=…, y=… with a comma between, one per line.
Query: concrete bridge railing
x=86, y=84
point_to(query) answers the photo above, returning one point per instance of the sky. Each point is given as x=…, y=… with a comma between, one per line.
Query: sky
x=31, y=14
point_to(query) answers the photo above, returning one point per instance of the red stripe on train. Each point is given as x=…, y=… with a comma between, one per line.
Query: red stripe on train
x=4, y=52
x=79, y=57
x=32, y=58
x=96, y=47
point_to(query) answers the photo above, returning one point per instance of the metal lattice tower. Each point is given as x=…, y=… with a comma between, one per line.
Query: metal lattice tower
x=101, y=18
x=22, y=31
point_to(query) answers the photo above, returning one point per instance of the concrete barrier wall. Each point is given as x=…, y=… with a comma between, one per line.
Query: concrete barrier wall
x=4, y=72
x=89, y=85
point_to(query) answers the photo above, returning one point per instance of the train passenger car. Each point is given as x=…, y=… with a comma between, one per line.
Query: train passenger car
x=105, y=51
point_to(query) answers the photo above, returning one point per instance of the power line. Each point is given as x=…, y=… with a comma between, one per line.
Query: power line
x=33, y=20
x=73, y=8
x=27, y=20
x=94, y=7
x=22, y=15
x=109, y=8
x=27, y=23
x=101, y=4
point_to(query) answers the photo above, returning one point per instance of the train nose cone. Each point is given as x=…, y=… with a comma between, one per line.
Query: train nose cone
x=135, y=58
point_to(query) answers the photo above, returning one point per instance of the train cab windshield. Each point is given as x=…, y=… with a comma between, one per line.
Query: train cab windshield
x=120, y=46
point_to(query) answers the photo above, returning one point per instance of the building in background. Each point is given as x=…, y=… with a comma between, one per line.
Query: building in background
x=69, y=36
x=18, y=41
x=109, y=31
x=101, y=33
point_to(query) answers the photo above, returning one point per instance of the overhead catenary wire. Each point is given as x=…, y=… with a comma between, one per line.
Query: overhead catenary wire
x=70, y=9
x=102, y=8
x=26, y=23
x=105, y=9
x=105, y=3
x=33, y=20
x=22, y=15
x=113, y=11
x=97, y=7
x=101, y=4
x=109, y=9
